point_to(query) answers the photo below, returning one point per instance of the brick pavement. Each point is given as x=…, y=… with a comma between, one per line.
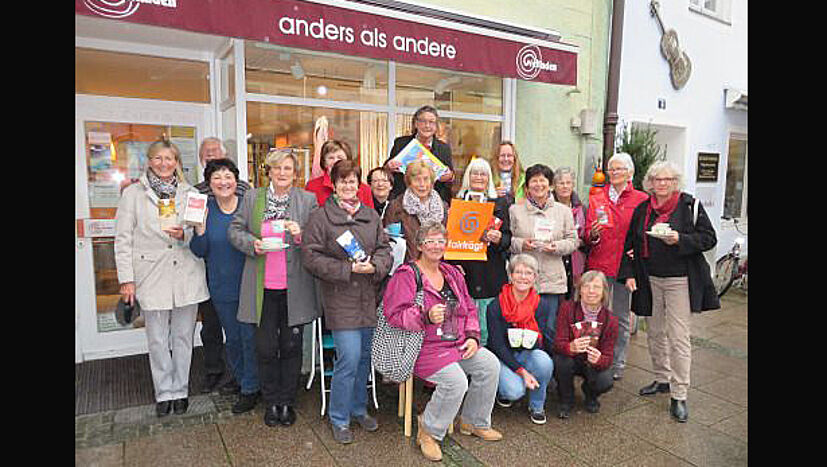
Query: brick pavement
x=629, y=430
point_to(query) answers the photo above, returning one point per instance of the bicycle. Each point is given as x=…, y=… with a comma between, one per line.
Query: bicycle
x=728, y=269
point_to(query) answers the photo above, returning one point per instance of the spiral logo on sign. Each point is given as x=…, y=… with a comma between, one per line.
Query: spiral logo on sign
x=527, y=58
x=113, y=9
x=469, y=223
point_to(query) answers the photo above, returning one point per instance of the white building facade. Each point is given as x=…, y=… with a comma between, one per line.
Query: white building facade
x=704, y=122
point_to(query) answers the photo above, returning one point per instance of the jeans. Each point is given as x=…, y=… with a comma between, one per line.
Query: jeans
x=348, y=388
x=621, y=300
x=240, y=346
x=551, y=325
x=212, y=340
x=512, y=387
x=452, y=387
x=279, y=351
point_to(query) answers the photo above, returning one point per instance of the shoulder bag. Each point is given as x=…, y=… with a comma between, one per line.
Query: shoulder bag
x=394, y=351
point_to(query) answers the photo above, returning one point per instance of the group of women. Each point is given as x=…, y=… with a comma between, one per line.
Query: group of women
x=281, y=256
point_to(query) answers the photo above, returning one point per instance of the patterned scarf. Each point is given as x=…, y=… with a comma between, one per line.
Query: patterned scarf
x=431, y=210
x=349, y=206
x=276, y=205
x=537, y=204
x=165, y=189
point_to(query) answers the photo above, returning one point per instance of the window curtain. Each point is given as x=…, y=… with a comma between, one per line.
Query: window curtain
x=373, y=141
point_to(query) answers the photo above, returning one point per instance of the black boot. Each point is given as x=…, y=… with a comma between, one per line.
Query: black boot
x=654, y=388
x=678, y=410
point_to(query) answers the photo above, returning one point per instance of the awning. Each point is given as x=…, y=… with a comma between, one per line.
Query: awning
x=357, y=29
x=735, y=99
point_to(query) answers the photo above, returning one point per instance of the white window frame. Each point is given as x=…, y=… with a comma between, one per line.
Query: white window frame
x=742, y=217
x=722, y=11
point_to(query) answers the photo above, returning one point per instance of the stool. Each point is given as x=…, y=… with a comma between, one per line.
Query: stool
x=406, y=406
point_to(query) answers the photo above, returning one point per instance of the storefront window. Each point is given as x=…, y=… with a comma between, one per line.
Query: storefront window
x=448, y=90
x=291, y=126
x=116, y=158
x=736, y=178
x=117, y=74
x=290, y=72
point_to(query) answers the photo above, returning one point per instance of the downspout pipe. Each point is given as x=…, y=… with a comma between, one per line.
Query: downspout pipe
x=610, y=116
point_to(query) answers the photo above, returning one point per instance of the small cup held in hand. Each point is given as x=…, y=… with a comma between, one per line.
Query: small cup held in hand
x=529, y=338
x=515, y=337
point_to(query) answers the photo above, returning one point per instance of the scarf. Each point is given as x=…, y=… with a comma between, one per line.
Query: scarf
x=349, y=206
x=164, y=189
x=537, y=204
x=276, y=205
x=589, y=315
x=664, y=211
x=432, y=209
x=614, y=195
x=520, y=313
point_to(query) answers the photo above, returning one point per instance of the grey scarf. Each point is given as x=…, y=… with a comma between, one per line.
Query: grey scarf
x=431, y=210
x=164, y=189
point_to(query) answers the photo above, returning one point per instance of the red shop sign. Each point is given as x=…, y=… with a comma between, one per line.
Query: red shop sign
x=321, y=27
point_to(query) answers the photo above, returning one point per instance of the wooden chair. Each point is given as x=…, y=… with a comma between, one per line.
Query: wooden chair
x=406, y=406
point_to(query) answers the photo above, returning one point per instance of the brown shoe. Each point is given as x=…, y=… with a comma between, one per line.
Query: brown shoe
x=487, y=434
x=429, y=446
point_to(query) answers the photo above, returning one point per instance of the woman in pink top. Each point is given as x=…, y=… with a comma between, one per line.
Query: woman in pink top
x=443, y=361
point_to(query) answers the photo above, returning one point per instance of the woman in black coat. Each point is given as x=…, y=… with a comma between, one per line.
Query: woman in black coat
x=425, y=126
x=669, y=277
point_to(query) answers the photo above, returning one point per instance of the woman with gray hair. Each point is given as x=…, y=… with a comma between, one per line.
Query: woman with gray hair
x=669, y=277
x=277, y=293
x=564, y=191
x=450, y=350
x=485, y=279
x=606, y=245
x=588, y=354
x=519, y=337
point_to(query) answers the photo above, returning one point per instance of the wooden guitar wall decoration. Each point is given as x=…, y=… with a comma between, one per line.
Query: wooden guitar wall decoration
x=680, y=66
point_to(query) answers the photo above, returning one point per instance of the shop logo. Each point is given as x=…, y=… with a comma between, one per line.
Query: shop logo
x=530, y=62
x=469, y=223
x=122, y=8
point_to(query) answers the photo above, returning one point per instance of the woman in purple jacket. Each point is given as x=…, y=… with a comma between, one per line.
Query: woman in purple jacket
x=451, y=350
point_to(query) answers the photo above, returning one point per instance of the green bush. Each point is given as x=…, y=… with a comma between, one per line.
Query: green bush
x=639, y=142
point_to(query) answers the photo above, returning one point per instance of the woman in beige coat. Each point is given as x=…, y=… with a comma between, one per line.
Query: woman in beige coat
x=544, y=229
x=156, y=268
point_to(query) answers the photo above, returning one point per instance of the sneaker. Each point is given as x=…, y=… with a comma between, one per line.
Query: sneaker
x=367, y=422
x=503, y=402
x=342, y=434
x=618, y=374
x=538, y=417
x=245, y=403
x=564, y=411
x=592, y=405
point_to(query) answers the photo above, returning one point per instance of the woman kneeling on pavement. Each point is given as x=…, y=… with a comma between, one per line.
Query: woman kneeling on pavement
x=581, y=355
x=445, y=362
x=518, y=336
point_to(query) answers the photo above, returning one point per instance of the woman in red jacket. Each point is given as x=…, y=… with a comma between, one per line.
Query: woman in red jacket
x=332, y=152
x=607, y=246
x=577, y=355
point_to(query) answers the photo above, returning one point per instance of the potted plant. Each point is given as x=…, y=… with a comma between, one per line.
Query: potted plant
x=639, y=142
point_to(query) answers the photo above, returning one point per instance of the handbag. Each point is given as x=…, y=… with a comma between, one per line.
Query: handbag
x=393, y=350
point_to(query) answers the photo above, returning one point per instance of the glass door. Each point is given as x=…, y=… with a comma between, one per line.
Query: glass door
x=111, y=155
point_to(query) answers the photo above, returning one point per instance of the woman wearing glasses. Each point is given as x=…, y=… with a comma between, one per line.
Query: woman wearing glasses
x=606, y=246
x=425, y=125
x=668, y=276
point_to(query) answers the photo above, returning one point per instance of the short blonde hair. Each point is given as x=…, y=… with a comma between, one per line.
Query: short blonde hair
x=659, y=168
x=589, y=276
x=277, y=156
x=417, y=167
x=165, y=144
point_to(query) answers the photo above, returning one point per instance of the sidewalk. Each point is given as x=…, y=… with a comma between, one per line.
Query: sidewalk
x=630, y=430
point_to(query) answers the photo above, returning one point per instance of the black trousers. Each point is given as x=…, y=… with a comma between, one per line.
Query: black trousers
x=278, y=350
x=565, y=368
x=212, y=338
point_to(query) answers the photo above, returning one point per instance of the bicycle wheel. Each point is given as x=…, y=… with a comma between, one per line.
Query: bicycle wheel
x=725, y=269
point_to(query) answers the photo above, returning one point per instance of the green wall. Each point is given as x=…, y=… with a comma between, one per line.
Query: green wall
x=544, y=111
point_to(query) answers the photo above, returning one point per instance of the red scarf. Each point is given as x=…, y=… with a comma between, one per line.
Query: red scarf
x=664, y=211
x=520, y=314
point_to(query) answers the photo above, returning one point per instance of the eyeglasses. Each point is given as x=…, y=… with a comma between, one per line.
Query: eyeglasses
x=423, y=121
x=434, y=241
x=617, y=169
x=523, y=273
x=664, y=179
